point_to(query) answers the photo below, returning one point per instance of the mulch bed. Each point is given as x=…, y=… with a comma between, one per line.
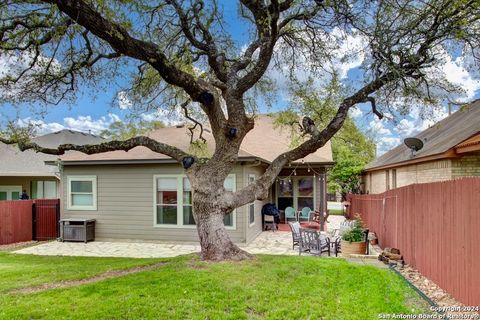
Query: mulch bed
x=435, y=293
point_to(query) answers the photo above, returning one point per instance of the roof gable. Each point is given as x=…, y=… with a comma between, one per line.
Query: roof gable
x=264, y=142
x=437, y=139
x=30, y=163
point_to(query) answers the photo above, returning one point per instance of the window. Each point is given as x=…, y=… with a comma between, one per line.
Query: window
x=174, y=202
x=44, y=190
x=394, y=178
x=387, y=180
x=251, y=206
x=167, y=201
x=297, y=192
x=305, y=193
x=10, y=192
x=285, y=193
x=187, y=203
x=82, y=192
x=229, y=185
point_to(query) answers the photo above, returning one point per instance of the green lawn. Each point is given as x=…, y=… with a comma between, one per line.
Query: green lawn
x=270, y=287
x=336, y=212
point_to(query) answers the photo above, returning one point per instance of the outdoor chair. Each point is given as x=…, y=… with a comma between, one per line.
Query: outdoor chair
x=269, y=222
x=295, y=228
x=290, y=213
x=313, y=242
x=305, y=214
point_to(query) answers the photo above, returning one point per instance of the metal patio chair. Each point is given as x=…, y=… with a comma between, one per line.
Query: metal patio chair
x=313, y=242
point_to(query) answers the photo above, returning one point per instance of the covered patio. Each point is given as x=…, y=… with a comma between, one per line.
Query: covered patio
x=301, y=185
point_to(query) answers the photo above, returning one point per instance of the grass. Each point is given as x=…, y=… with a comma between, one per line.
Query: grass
x=269, y=287
x=336, y=212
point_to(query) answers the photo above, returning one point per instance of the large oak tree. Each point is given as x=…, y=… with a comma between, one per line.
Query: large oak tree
x=181, y=49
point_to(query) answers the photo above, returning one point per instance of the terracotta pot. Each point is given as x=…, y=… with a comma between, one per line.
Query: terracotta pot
x=349, y=248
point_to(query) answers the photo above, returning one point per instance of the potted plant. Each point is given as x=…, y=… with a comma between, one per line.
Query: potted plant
x=353, y=240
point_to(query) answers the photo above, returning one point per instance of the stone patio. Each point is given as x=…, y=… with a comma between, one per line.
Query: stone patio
x=276, y=243
x=273, y=243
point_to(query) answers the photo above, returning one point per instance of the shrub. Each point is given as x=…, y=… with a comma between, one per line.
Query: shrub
x=356, y=233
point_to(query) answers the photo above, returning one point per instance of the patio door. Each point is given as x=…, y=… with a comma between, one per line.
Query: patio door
x=10, y=192
x=297, y=192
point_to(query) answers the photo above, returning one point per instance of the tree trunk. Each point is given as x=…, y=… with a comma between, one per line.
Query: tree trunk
x=214, y=240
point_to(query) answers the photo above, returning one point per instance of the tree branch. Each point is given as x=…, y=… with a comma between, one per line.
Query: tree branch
x=122, y=42
x=141, y=141
x=259, y=189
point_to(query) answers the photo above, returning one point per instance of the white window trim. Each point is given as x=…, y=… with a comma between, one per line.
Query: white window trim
x=180, y=224
x=295, y=195
x=251, y=224
x=11, y=189
x=93, y=179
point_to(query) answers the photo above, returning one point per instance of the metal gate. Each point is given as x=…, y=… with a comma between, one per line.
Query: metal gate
x=45, y=217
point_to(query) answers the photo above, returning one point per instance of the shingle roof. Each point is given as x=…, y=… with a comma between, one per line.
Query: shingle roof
x=29, y=163
x=437, y=139
x=54, y=139
x=264, y=142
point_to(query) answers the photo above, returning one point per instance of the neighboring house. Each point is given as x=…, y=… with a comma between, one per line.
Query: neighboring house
x=451, y=150
x=143, y=195
x=27, y=170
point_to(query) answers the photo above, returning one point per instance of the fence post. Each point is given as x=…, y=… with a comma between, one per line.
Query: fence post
x=57, y=224
x=34, y=221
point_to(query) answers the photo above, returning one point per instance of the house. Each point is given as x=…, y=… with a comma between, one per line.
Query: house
x=27, y=170
x=451, y=149
x=143, y=195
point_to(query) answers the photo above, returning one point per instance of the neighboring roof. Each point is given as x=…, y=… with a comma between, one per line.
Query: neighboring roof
x=264, y=142
x=439, y=140
x=30, y=163
x=53, y=140
x=469, y=145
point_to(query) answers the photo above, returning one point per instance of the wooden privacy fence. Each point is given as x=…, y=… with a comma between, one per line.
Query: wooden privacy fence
x=15, y=221
x=436, y=226
x=25, y=220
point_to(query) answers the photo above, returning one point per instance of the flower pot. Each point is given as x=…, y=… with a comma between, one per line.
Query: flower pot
x=349, y=248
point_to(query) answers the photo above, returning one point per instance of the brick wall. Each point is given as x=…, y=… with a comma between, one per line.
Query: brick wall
x=433, y=171
x=466, y=166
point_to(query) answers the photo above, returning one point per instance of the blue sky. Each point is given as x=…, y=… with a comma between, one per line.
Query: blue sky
x=94, y=112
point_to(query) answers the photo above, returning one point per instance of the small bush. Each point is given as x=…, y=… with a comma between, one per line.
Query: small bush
x=356, y=233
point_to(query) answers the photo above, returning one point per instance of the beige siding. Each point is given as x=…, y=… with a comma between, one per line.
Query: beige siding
x=252, y=231
x=125, y=204
x=376, y=182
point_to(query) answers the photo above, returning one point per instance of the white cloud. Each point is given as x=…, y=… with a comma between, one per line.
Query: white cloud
x=455, y=71
x=123, y=100
x=80, y=123
x=351, y=51
x=13, y=65
x=355, y=113
x=377, y=127
x=387, y=143
x=405, y=127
